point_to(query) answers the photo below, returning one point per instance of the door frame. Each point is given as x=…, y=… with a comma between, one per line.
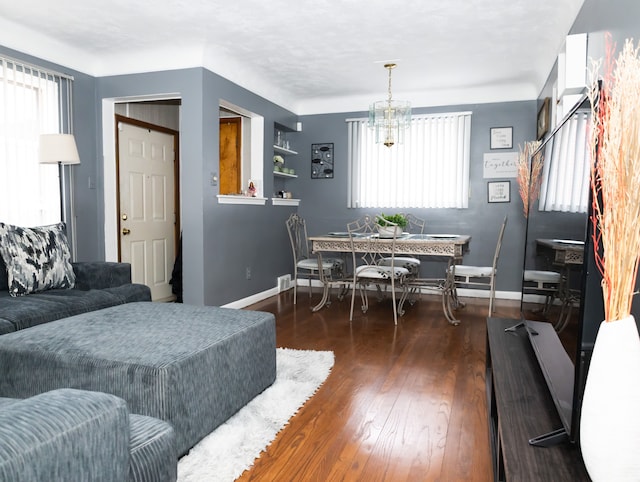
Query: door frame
x=176, y=173
x=110, y=214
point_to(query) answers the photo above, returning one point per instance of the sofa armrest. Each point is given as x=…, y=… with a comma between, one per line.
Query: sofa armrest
x=97, y=275
x=65, y=434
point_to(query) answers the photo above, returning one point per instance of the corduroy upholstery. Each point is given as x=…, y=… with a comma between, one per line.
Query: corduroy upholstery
x=77, y=435
x=98, y=285
x=191, y=366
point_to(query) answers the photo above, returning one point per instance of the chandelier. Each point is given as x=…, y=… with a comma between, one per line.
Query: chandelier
x=390, y=118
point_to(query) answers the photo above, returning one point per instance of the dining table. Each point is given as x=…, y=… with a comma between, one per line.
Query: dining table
x=450, y=247
x=565, y=251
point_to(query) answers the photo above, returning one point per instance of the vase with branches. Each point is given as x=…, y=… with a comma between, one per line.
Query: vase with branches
x=609, y=424
x=528, y=176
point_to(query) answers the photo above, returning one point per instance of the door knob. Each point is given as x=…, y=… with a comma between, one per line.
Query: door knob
x=125, y=231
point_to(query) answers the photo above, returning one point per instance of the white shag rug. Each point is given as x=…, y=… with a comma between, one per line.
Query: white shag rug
x=224, y=454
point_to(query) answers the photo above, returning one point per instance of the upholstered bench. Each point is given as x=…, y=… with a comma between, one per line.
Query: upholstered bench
x=189, y=365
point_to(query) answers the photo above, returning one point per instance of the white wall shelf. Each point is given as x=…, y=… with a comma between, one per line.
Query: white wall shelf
x=284, y=174
x=237, y=199
x=278, y=201
x=282, y=150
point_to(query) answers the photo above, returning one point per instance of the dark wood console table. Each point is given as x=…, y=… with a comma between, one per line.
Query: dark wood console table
x=521, y=408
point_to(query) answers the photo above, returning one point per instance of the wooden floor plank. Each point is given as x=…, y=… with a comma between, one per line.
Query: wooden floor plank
x=403, y=403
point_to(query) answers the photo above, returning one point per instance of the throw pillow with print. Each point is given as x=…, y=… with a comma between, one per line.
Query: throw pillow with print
x=37, y=259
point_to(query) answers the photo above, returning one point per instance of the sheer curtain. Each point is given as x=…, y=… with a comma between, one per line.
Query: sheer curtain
x=430, y=170
x=566, y=168
x=30, y=105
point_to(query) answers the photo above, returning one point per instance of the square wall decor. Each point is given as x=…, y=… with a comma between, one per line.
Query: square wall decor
x=322, y=161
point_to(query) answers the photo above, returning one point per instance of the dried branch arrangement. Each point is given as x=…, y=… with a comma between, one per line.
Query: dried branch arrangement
x=615, y=178
x=529, y=178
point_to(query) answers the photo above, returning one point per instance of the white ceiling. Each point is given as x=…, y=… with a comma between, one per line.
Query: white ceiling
x=311, y=56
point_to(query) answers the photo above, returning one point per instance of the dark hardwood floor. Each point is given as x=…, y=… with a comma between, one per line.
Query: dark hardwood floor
x=402, y=403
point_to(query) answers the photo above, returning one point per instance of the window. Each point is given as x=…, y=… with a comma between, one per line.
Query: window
x=430, y=170
x=567, y=167
x=29, y=106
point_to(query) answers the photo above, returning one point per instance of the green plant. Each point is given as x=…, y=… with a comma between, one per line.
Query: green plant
x=398, y=219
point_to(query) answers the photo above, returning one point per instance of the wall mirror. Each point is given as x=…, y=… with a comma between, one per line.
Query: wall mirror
x=557, y=225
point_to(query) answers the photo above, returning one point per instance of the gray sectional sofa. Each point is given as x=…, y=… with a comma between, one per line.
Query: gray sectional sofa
x=98, y=285
x=76, y=435
x=38, y=282
x=71, y=333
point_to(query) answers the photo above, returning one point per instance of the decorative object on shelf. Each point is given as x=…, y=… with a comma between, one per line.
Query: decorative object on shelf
x=501, y=137
x=609, y=423
x=390, y=223
x=390, y=118
x=543, y=118
x=499, y=191
x=278, y=160
x=252, y=189
x=322, y=161
x=529, y=176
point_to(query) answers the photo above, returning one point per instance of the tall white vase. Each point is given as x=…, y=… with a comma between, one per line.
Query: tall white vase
x=610, y=419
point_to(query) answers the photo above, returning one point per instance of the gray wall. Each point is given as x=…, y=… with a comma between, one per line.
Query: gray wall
x=324, y=201
x=219, y=241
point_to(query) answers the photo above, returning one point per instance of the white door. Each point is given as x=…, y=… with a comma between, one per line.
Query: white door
x=147, y=213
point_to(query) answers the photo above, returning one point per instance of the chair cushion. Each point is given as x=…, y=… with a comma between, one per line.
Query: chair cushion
x=380, y=272
x=312, y=263
x=542, y=276
x=404, y=261
x=473, y=271
x=37, y=259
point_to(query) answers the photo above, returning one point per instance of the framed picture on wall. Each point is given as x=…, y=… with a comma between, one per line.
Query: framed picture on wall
x=322, y=161
x=543, y=119
x=499, y=191
x=501, y=137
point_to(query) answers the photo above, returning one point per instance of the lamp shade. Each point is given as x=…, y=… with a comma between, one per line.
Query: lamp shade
x=58, y=148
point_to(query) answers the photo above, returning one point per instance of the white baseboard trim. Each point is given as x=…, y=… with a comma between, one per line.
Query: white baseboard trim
x=249, y=300
x=463, y=292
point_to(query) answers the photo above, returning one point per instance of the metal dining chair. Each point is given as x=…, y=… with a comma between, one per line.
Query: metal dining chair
x=297, y=229
x=544, y=283
x=471, y=276
x=553, y=286
x=367, y=268
x=415, y=225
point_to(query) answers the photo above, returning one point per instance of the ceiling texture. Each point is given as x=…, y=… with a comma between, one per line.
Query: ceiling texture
x=310, y=56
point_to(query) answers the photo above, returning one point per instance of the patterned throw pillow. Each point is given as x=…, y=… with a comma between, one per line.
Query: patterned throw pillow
x=37, y=259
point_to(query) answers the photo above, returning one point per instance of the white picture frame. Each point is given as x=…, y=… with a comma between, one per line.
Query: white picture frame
x=501, y=137
x=499, y=191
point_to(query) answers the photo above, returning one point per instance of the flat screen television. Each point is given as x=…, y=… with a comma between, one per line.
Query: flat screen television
x=561, y=212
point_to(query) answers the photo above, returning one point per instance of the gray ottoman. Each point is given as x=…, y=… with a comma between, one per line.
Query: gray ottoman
x=189, y=365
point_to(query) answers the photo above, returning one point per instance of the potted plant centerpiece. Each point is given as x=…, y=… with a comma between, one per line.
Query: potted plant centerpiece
x=390, y=223
x=609, y=422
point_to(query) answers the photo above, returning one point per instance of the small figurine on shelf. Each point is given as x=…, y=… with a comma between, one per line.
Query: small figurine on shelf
x=252, y=189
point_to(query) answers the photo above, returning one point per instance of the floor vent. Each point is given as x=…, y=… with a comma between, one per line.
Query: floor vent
x=284, y=283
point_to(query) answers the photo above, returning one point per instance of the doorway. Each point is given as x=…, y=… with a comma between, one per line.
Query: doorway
x=147, y=186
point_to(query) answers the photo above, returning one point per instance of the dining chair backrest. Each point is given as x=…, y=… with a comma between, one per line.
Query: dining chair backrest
x=297, y=229
x=369, y=251
x=415, y=225
x=499, y=244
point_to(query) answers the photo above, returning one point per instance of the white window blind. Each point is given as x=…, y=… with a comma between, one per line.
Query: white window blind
x=30, y=101
x=430, y=170
x=566, y=168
